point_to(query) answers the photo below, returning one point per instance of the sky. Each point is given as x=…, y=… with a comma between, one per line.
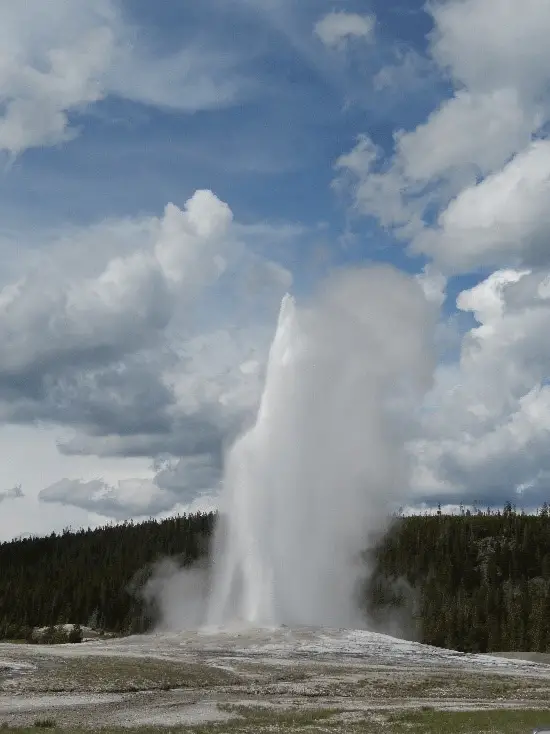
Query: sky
x=168, y=171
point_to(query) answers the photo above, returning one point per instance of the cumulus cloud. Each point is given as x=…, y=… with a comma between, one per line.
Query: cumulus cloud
x=54, y=64
x=500, y=102
x=503, y=220
x=486, y=429
x=129, y=498
x=189, y=484
x=485, y=50
x=152, y=345
x=11, y=494
x=45, y=76
x=48, y=325
x=468, y=189
x=444, y=146
x=340, y=26
x=468, y=136
x=433, y=284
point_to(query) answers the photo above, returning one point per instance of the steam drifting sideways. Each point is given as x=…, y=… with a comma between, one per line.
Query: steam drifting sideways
x=318, y=470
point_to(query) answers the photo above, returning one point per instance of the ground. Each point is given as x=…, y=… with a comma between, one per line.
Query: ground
x=271, y=680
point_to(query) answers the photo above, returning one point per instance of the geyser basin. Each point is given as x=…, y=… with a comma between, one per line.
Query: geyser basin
x=303, y=487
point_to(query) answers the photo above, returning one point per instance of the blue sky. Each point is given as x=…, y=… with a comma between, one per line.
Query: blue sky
x=270, y=151
x=338, y=133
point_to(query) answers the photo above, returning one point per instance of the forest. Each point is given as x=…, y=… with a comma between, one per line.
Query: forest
x=475, y=581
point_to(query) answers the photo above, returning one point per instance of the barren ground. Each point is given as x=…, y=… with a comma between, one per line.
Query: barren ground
x=278, y=680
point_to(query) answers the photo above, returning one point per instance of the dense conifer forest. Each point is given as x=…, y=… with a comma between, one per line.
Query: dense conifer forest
x=475, y=581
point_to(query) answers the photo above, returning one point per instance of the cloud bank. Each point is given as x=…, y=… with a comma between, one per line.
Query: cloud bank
x=125, y=353
x=468, y=189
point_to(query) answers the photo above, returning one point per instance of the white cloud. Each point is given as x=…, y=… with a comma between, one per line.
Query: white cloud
x=504, y=220
x=379, y=194
x=445, y=143
x=469, y=136
x=486, y=426
x=490, y=118
x=38, y=103
x=29, y=457
x=433, y=284
x=203, y=225
x=409, y=72
x=146, y=337
x=128, y=498
x=54, y=64
x=123, y=308
x=340, y=26
x=469, y=189
x=487, y=47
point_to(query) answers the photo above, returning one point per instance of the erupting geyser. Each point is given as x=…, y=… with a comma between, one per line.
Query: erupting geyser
x=325, y=457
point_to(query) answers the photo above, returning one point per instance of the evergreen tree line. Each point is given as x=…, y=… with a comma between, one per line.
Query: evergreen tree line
x=477, y=582
x=92, y=577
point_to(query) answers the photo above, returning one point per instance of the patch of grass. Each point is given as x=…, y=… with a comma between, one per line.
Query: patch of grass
x=255, y=722
x=271, y=715
x=487, y=687
x=289, y=675
x=499, y=721
x=260, y=720
x=120, y=675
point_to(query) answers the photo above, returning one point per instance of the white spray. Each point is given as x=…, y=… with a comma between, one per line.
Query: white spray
x=325, y=458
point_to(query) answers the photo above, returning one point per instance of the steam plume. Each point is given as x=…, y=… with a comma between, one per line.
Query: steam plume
x=318, y=470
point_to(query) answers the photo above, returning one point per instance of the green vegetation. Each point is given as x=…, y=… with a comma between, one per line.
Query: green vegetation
x=122, y=675
x=259, y=720
x=473, y=582
x=433, y=687
x=502, y=721
x=476, y=582
x=92, y=576
x=56, y=635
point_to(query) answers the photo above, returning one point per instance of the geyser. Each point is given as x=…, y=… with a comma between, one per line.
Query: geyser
x=325, y=458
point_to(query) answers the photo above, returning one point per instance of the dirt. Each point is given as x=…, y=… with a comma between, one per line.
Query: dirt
x=192, y=678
